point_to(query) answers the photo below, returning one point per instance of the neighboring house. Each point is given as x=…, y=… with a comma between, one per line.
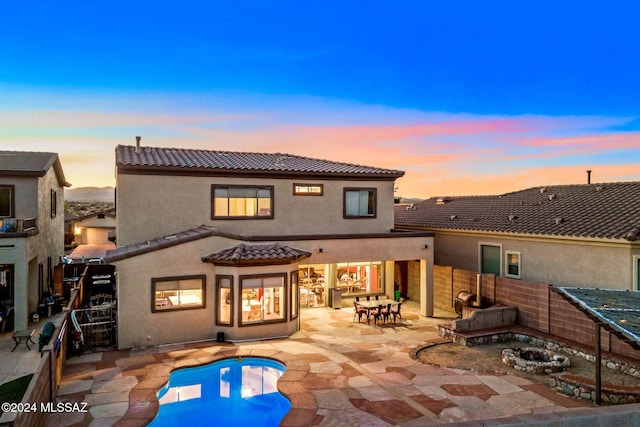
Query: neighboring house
x=32, y=228
x=567, y=235
x=216, y=241
x=93, y=228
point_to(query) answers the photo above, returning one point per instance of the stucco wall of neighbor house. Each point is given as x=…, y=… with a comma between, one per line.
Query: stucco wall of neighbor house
x=561, y=262
x=33, y=200
x=94, y=221
x=148, y=206
x=539, y=308
x=26, y=195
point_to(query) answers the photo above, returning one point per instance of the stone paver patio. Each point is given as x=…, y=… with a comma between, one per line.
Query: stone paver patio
x=339, y=373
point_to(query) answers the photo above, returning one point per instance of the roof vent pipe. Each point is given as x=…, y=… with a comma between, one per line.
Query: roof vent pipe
x=138, y=138
x=588, y=177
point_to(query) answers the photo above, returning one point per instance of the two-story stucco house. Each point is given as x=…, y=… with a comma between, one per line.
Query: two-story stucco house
x=31, y=228
x=583, y=235
x=216, y=241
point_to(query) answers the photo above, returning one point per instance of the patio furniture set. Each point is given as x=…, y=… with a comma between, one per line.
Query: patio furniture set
x=380, y=310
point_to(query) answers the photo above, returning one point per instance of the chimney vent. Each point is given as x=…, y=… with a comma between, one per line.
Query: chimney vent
x=588, y=177
x=138, y=138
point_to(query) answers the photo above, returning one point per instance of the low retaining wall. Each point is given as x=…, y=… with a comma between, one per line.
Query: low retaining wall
x=564, y=383
x=487, y=318
x=585, y=389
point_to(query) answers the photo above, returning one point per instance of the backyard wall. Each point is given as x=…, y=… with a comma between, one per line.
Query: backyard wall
x=538, y=307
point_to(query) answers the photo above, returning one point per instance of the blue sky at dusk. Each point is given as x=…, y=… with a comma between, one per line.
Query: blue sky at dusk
x=466, y=97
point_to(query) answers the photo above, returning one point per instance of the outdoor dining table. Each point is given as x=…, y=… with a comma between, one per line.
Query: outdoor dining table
x=374, y=303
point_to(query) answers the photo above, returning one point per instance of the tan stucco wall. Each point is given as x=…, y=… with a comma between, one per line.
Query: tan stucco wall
x=136, y=322
x=33, y=200
x=559, y=262
x=149, y=206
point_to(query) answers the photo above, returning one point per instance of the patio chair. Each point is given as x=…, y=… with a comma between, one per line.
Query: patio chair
x=386, y=313
x=359, y=311
x=377, y=314
x=395, y=312
x=7, y=317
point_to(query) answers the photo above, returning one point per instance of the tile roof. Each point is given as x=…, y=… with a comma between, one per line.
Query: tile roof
x=256, y=255
x=202, y=161
x=617, y=310
x=30, y=163
x=606, y=210
x=153, y=245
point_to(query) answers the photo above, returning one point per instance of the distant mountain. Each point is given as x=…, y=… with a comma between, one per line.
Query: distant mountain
x=90, y=194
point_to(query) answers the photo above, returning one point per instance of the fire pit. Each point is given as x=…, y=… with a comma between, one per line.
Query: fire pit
x=535, y=360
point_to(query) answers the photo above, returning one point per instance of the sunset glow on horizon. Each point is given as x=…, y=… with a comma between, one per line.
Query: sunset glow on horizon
x=466, y=99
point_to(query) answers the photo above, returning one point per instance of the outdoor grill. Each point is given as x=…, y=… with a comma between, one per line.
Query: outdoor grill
x=464, y=299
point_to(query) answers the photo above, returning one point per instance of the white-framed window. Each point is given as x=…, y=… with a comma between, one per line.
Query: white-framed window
x=490, y=258
x=178, y=293
x=241, y=202
x=360, y=202
x=513, y=264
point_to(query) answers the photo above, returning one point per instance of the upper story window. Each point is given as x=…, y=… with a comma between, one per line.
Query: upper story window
x=360, y=202
x=308, y=189
x=7, y=201
x=54, y=203
x=241, y=202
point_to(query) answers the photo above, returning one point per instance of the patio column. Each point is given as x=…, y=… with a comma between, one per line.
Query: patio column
x=426, y=286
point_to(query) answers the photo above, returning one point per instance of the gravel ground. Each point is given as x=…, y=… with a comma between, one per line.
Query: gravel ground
x=487, y=358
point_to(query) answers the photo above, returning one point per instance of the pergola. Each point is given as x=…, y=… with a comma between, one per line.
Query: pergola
x=618, y=311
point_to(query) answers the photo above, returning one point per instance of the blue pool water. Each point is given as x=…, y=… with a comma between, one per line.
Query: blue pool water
x=230, y=392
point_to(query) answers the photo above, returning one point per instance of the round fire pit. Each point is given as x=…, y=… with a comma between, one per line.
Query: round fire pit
x=535, y=360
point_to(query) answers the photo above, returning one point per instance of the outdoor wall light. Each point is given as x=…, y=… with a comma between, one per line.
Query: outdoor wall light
x=320, y=250
x=426, y=246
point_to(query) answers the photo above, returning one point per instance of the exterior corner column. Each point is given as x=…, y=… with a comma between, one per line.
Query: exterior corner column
x=426, y=286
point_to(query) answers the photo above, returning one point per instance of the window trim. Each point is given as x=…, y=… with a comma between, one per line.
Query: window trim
x=231, y=293
x=374, y=190
x=292, y=315
x=480, y=245
x=155, y=280
x=229, y=217
x=635, y=278
x=54, y=203
x=297, y=192
x=285, y=290
x=12, y=200
x=506, y=264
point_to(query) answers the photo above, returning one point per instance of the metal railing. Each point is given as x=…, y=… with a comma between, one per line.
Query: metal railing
x=15, y=225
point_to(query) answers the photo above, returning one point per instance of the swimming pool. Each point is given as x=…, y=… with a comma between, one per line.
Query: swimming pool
x=230, y=392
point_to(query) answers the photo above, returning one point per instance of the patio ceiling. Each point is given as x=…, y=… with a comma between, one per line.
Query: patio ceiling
x=618, y=311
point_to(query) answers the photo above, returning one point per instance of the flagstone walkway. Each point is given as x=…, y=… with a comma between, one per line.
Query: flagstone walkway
x=339, y=373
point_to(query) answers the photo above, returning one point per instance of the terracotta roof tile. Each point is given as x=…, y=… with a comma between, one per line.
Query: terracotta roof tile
x=256, y=255
x=140, y=248
x=609, y=210
x=150, y=158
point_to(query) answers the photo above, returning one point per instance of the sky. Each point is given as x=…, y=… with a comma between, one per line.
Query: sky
x=466, y=97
